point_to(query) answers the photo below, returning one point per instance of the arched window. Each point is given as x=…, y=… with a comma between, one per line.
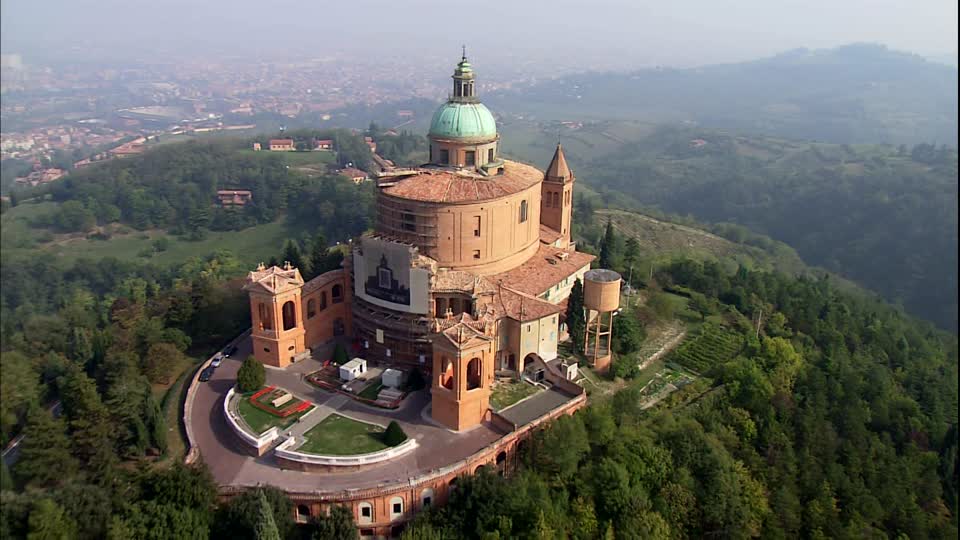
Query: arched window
x=303, y=513
x=473, y=374
x=311, y=308
x=396, y=508
x=323, y=300
x=337, y=293
x=266, y=321
x=556, y=200
x=365, y=513
x=289, y=315
x=426, y=498
x=446, y=377
x=523, y=211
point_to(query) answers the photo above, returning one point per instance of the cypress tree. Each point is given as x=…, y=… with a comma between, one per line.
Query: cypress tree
x=607, y=247
x=576, y=325
x=266, y=527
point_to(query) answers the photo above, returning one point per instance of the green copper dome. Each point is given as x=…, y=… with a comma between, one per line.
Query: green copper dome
x=456, y=120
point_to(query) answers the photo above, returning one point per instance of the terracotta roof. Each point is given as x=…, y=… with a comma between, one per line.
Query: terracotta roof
x=446, y=185
x=558, y=169
x=462, y=336
x=523, y=307
x=461, y=281
x=281, y=142
x=323, y=280
x=548, y=235
x=273, y=280
x=544, y=270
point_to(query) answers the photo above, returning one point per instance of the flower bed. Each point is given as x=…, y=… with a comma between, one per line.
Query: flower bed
x=293, y=407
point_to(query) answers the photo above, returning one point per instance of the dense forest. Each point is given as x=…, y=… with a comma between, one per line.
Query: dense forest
x=82, y=350
x=835, y=419
x=883, y=216
x=174, y=187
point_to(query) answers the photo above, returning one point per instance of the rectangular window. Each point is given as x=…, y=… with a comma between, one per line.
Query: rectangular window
x=426, y=501
x=470, y=158
x=476, y=225
x=476, y=254
x=397, y=508
x=444, y=157
x=409, y=221
x=365, y=511
x=490, y=155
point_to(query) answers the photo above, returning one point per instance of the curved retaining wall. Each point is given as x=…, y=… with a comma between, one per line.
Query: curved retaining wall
x=260, y=444
x=438, y=482
x=317, y=463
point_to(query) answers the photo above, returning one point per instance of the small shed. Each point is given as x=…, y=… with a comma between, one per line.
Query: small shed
x=353, y=369
x=394, y=378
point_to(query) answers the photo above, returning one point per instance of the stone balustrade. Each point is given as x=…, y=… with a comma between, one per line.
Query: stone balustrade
x=283, y=451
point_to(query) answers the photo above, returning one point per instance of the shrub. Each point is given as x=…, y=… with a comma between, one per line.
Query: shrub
x=251, y=375
x=340, y=355
x=394, y=434
x=416, y=380
x=625, y=368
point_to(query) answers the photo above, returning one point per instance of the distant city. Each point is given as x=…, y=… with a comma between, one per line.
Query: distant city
x=76, y=113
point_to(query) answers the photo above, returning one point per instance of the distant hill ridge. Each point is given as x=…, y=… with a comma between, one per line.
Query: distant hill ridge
x=850, y=94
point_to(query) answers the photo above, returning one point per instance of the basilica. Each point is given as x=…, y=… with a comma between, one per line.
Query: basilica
x=465, y=276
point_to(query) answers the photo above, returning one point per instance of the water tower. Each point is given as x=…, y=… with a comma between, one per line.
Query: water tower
x=601, y=300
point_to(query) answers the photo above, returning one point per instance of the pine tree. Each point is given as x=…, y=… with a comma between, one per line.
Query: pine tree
x=48, y=521
x=292, y=254
x=318, y=256
x=91, y=428
x=266, y=527
x=251, y=375
x=607, y=247
x=576, y=325
x=45, y=459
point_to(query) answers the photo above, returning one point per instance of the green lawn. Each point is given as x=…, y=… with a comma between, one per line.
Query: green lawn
x=250, y=245
x=341, y=436
x=505, y=394
x=298, y=159
x=260, y=420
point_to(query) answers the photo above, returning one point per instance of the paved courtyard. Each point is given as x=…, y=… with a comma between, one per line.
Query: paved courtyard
x=221, y=450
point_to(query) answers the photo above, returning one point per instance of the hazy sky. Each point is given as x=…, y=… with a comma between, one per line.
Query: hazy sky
x=590, y=32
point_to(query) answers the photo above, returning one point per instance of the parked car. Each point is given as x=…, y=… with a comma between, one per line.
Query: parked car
x=230, y=351
x=206, y=374
x=217, y=360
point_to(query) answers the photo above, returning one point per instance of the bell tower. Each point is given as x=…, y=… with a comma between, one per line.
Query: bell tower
x=556, y=202
x=462, y=376
x=276, y=313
